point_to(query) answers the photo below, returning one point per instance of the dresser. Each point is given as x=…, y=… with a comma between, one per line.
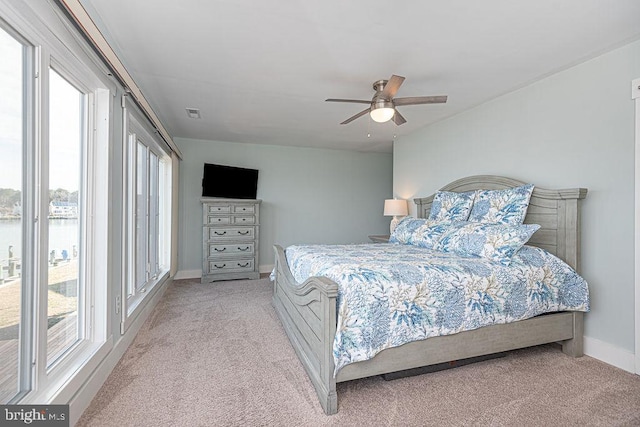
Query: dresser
x=230, y=236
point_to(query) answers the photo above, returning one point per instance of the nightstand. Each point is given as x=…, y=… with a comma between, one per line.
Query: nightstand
x=379, y=238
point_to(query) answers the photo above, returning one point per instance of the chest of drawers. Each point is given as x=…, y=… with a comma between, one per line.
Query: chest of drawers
x=230, y=237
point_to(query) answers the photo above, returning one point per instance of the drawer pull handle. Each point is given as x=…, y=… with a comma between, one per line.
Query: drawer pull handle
x=220, y=266
x=220, y=234
x=219, y=250
x=246, y=264
x=244, y=233
x=244, y=249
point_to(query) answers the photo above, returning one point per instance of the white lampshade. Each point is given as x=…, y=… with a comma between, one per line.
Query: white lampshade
x=394, y=207
x=382, y=115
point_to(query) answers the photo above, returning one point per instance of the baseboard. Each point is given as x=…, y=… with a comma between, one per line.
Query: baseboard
x=80, y=402
x=196, y=274
x=188, y=274
x=609, y=353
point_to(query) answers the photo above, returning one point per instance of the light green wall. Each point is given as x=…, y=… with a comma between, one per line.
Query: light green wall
x=308, y=195
x=572, y=129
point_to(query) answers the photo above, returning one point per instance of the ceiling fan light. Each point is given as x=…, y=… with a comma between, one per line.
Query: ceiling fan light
x=381, y=115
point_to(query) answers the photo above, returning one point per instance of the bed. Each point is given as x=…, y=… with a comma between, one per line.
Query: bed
x=309, y=316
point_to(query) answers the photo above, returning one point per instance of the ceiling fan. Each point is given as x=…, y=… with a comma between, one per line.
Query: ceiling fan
x=382, y=106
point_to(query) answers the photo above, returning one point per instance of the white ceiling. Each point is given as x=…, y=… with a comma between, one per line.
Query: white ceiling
x=260, y=71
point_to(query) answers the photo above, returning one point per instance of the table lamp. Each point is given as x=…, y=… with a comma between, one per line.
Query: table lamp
x=395, y=208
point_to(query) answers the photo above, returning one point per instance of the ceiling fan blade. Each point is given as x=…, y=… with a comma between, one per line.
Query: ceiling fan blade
x=392, y=86
x=356, y=101
x=352, y=118
x=416, y=100
x=398, y=119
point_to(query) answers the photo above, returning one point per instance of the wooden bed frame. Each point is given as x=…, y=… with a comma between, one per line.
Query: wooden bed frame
x=308, y=311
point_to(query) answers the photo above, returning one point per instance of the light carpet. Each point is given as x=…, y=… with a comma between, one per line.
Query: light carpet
x=216, y=355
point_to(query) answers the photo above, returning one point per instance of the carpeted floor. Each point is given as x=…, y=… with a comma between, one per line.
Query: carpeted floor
x=216, y=355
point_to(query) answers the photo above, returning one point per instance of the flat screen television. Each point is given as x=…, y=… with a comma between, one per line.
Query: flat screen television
x=229, y=181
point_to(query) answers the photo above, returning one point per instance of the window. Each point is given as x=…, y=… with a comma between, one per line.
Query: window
x=54, y=126
x=12, y=145
x=67, y=137
x=147, y=239
x=141, y=215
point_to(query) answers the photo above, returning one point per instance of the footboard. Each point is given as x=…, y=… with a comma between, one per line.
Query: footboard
x=308, y=314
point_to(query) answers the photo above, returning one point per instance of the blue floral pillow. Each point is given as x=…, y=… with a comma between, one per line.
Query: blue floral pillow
x=429, y=234
x=405, y=229
x=450, y=206
x=419, y=232
x=501, y=206
x=496, y=242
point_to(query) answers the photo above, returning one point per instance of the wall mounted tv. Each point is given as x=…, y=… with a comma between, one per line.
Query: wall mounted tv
x=229, y=181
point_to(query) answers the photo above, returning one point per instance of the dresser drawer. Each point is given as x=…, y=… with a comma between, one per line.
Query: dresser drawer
x=217, y=250
x=244, y=209
x=218, y=209
x=231, y=233
x=220, y=266
x=211, y=220
x=241, y=219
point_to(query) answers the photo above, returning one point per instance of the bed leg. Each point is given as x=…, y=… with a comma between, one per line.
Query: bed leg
x=573, y=347
x=330, y=402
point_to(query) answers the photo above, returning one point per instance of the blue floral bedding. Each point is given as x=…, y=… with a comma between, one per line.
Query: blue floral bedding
x=391, y=294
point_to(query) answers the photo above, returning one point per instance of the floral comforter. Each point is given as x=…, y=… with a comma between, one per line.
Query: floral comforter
x=391, y=294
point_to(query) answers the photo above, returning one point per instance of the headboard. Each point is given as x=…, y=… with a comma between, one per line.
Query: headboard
x=557, y=212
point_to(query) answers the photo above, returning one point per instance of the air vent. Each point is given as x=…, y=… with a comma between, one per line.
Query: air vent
x=193, y=113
